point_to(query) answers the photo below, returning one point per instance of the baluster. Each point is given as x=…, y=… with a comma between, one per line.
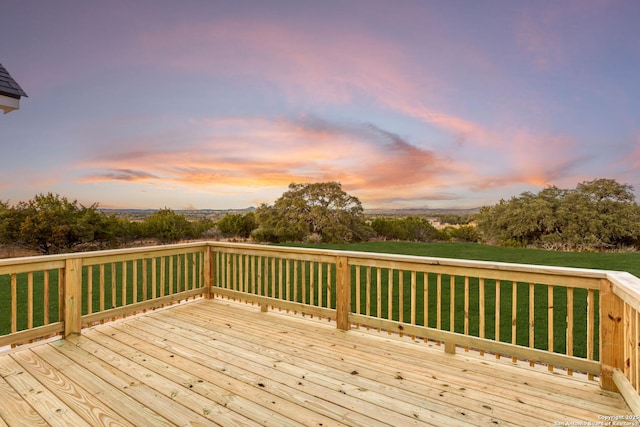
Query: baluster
x=45, y=297
x=171, y=273
x=514, y=315
x=400, y=297
x=30, y=300
x=497, y=328
x=329, y=286
x=102, y=287
x=124, y=283
x=390, y=295
x=570, y=325
x=295, y=280
x=358, y=286
x=439, y=303
x=452, y=303
x=368, y=294
x=312, y=285
x=550, y=323
x=378, y=293
x=481, y=310
x=591, y=325
x=303, y=266
x=466, y=308
x=114, y=301
x=154, y=277
x=531, y=319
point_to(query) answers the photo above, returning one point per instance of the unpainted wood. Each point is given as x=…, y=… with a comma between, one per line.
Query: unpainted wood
x=343, y=293
x=611, y=335
x=73, y=297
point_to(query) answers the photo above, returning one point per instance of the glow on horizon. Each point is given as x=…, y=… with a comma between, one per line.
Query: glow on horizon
x=423, y=104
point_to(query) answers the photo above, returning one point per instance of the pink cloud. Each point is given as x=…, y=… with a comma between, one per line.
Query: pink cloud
x=323, y=64
x=631, y=160
x=257, y=152
x=463, y=129
x=536, y=160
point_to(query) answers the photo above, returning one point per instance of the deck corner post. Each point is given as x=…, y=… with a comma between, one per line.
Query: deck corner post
x=611, y=335
x=72, y=296
x=343, y=293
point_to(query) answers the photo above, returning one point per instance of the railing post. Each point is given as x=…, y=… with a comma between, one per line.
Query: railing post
x=73, y=297
x=208, y=272
x=343, y=293
x=611, y=335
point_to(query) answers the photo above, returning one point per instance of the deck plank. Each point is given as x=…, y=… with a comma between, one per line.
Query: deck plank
x=51, y=408
x=259, y=369
x=537, y=387
x=178, y=404
x=109, y=394
x=359, y=375
x=340, y=377
x=85, y=404
x=217, y=362
x=243, y=386
x=16, y=410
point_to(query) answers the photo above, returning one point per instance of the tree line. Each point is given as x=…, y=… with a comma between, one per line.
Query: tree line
x=317, y=212
x=50, y=223
x=599, y=214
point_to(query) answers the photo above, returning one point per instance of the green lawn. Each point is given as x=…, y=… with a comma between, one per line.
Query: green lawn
x=603, y=261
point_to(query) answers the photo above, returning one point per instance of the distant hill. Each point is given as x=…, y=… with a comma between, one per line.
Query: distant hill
x=190, y=214
x=421, y=212
x=214, y=214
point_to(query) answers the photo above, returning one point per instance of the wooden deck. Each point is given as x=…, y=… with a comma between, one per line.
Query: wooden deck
x=217, y=362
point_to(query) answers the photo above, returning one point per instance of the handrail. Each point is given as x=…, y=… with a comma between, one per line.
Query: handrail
x=58, y=294
x=580, y=319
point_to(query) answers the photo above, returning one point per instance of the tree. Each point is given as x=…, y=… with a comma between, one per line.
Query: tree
x=463, y=233
x=601, y=213
x=318, y=211
x=237, y=224
x=596, y=214
x=168, y=226
x=50, y=223
x=9, y=223
x=412, y=228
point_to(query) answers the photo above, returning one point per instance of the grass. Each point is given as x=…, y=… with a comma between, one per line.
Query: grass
x=629, y=262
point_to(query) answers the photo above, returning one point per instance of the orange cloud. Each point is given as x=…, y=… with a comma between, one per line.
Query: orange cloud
x=257, y=152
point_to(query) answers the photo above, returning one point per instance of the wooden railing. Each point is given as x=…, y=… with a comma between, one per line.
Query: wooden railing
x=58, y=294
x=575, y=319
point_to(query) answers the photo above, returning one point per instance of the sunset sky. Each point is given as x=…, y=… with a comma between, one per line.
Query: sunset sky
x=221, y=104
